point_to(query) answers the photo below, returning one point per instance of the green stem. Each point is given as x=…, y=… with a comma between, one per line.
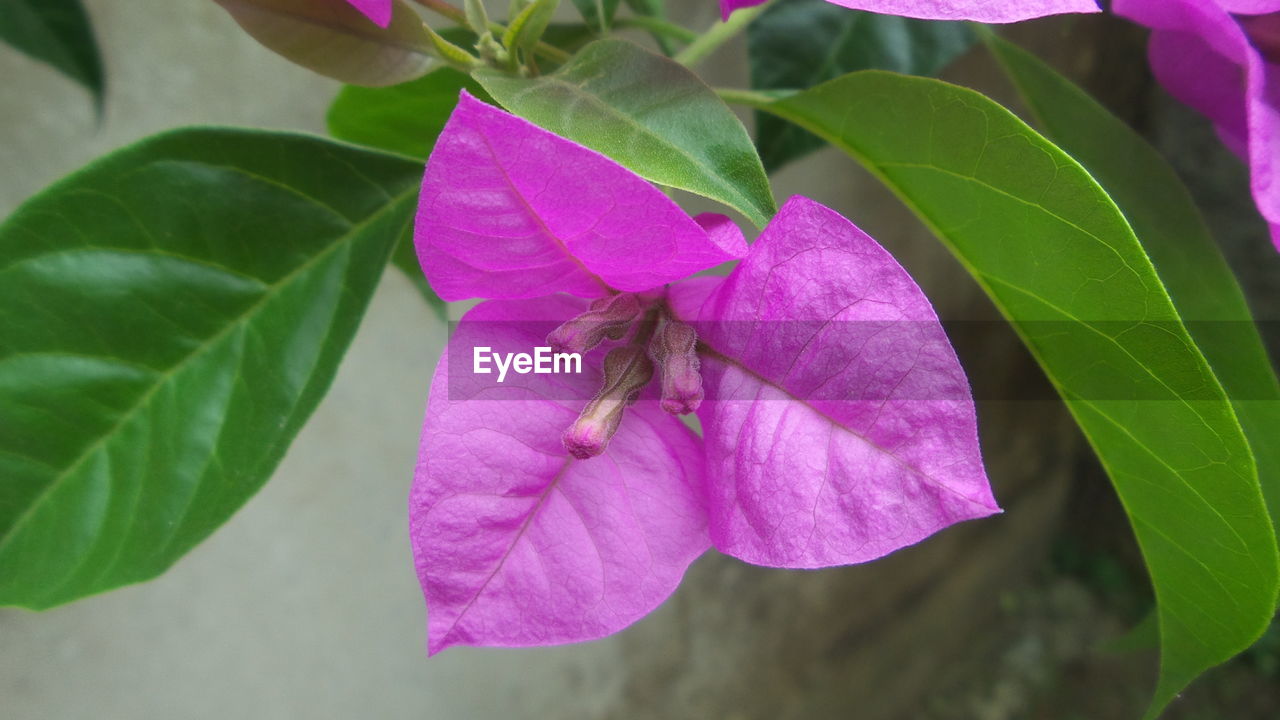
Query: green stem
x=459, y=16
x=750, y=98
x=719, y=34
x=658, y=26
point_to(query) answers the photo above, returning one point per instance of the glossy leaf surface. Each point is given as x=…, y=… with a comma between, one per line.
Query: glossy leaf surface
x=836, y=41
x=1174, y=234
x=169, y=318
x=1060, y=261
x=648, y=113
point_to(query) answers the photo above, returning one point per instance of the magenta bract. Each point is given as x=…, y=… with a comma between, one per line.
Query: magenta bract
x=378, y=11
x=993, y=11
x=837, y=424
x=1222, y=57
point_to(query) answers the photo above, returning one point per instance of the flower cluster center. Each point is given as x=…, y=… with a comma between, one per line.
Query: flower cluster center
x=655, y=344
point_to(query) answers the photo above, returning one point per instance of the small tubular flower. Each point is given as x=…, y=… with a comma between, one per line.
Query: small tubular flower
x=557, y=507
x=674, y=349
x=607, y=319
x=626, y=371
x=992, y=11
x=1222, y=57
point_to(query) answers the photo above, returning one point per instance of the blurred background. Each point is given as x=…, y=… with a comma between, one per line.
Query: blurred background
x=306, y=605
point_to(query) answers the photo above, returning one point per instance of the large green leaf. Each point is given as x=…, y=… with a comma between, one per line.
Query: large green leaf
x=169, y=318
x=331, y=37
x=57, y=32
x=404, y=119
x=648, y=113
x=1060, y=261
x=1174, y=234
x=797, y=44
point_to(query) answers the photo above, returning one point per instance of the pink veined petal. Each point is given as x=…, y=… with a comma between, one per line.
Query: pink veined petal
x=724, y=233
x=518, y=544
x=1257, y=85
x=378, y=11
x=509, y=210
x=1197, y=76
x=838, y=423
x=1249, y=7
x=993, y=11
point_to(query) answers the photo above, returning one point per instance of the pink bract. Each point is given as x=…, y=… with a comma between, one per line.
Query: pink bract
x=1224, y=66
x=837, y=423
x=993, y=11
x=378, y=11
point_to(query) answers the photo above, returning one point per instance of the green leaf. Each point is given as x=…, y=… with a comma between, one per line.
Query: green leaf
x=57, y=32
x=404, y=119
x=1174, y=234
x=648, y=113
x=1060, y=261
x=597, y=13
x=648, y=8
x=333, y=38
x=797, y=44
x=169, y=317
x=527, y=27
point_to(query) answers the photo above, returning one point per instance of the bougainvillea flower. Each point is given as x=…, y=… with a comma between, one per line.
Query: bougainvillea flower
x=558, y=506
x=378, y=11
x=1222, y=57
x=992, y=11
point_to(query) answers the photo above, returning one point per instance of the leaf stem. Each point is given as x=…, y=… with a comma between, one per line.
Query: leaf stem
x=750, y=98
x=718, y=34
x=657, y=26
x=459, y=16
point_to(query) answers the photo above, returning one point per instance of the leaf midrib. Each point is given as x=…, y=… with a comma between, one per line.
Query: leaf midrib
x=162, y=378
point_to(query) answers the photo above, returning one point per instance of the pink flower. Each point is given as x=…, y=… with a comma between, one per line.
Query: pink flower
x=378, y=11
x=993, y=11
x=837, y=424
x=1222, y=57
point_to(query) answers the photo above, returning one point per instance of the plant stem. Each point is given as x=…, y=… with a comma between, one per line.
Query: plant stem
x=657, y=26
x=750, y=98
x=719, y=34
x=459, y=16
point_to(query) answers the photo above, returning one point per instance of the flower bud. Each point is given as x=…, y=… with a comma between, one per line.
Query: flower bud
x=626, y=371
x=674, y=348
x=608, y=317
